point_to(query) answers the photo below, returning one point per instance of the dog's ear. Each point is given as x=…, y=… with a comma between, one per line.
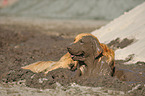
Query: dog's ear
x=97, y=48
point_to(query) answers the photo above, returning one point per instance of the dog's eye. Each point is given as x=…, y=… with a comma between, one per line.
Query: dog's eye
x=81, y=41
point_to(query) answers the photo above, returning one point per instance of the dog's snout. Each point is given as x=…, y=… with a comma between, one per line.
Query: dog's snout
x=68, y=48
x=71, y=44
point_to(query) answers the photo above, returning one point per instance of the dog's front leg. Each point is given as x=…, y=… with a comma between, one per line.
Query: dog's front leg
x=75, y=66
x=80, y=71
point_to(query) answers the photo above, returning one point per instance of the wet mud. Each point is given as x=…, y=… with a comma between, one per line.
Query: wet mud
x=22, y=45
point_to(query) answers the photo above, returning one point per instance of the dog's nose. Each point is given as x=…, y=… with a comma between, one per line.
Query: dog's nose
x=68, y=48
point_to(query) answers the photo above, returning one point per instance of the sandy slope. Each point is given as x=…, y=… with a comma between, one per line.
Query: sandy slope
x=131, y=25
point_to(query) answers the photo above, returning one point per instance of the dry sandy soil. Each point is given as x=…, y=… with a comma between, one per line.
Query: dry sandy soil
x=25, y=43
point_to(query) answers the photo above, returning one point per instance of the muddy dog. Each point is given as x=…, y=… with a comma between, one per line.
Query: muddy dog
x=87, y=56
x=93, y=57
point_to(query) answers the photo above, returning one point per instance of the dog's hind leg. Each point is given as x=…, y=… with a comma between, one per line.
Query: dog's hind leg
x=46, y=66
x=40, y=66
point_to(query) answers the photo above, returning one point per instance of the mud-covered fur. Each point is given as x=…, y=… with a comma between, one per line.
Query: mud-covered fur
x=93, y=58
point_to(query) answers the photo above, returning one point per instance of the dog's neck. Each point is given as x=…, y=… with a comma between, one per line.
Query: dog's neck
x=91, y=60
x=97, y=66
x=92, y=64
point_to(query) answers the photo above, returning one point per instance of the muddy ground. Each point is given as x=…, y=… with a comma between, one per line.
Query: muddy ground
x=21, y=45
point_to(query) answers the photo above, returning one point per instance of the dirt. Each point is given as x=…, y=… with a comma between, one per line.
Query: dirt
x=21, y=45
x=117, y=43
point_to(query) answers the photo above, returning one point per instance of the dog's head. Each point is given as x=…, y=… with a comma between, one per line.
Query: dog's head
x=85, y=45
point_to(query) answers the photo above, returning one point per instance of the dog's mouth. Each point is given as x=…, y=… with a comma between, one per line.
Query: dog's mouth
x=78, y=57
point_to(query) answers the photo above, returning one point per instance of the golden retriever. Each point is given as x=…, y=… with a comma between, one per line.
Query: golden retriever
x=86, y=53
